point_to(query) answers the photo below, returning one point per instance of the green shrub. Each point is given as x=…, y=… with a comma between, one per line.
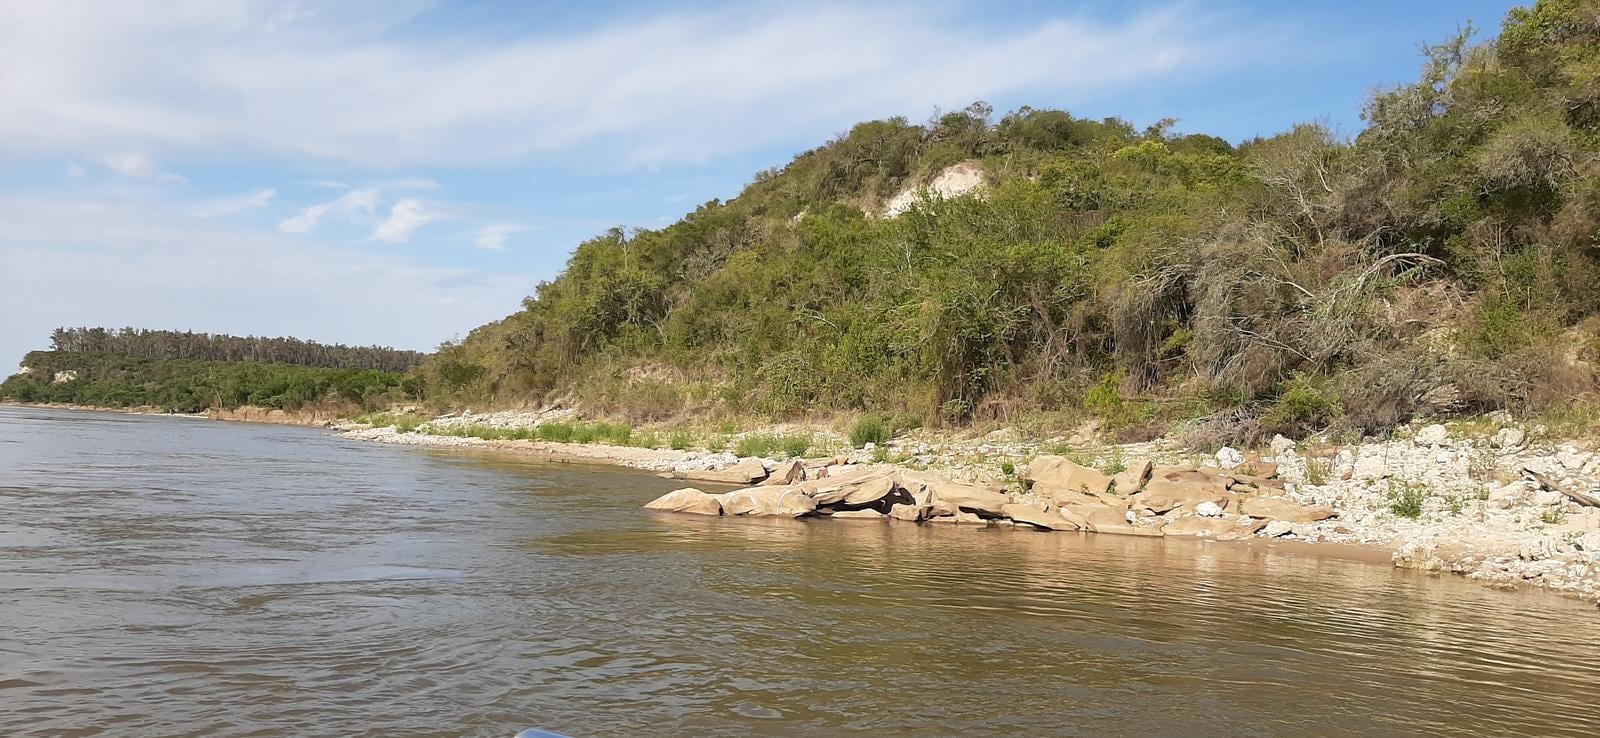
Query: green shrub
x=758, y=445
x=1299, y=410
x=647, y=439
x=681, y=440
x=555, y=432
x=795, y=445
x=1405, y=499
x=870, y=429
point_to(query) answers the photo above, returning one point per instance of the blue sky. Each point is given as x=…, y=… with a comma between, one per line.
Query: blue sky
x=400, y=172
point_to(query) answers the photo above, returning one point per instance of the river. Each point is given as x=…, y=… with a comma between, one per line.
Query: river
x=177, y=577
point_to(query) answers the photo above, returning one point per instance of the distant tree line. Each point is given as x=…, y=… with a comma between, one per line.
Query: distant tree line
x=188, y=345
x=190, y=385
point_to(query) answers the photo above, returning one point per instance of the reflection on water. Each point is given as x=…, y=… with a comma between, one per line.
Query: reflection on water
x=165, y=577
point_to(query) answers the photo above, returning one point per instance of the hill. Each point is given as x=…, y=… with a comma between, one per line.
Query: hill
x=1443, y=261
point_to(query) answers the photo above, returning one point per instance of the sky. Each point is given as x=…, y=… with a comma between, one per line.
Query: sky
x=398, y=172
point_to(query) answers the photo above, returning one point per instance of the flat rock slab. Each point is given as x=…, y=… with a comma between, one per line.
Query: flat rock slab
x=748, y=471
x=859, y=515
x=1278, y=508
x=1114, y=520
x=1221, y=529
x=1039, y=517
x=968, y=497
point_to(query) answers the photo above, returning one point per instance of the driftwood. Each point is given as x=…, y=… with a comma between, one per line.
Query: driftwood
x=1582, y=498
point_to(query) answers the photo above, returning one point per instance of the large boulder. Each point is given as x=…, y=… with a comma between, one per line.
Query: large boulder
x=1222, y=529
x=746, y=471
x=969, y=497
x=910, y=513
x=788, y=502
x=1040, y=517
x=1053, y=473
x=1132, y=479
x=1279, y=508
x=856, y=488
x=1170, y=488
x=686, y=500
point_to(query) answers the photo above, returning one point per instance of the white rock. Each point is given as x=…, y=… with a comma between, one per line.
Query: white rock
x=1370, y=467
x=1208, y=509
x=1343, y=463
x=1509, y=438
x=1544, y=497
x=1229, y=458
x=1432, y=435
x=1277, y=528
x=1280, y=445
x=1537, y=549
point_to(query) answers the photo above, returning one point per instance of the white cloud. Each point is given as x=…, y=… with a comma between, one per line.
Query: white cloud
x=353, y=84
x=352, y=203
x=235, y=204
x=493, y=237
x=137, y=164
x=74, y=169
x=94, y=261
x=405, y=218
x=327, y=184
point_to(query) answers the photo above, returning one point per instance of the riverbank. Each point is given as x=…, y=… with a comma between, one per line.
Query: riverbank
x=1488, y=499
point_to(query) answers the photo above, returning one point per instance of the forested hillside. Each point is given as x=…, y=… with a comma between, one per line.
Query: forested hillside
x=1443, y=260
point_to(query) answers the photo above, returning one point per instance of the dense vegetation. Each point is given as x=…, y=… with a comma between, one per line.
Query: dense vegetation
x=184, y=385
x=151, y=344
x=1442, y=261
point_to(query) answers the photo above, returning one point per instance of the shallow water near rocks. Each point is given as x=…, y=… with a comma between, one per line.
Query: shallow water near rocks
x=173, y=577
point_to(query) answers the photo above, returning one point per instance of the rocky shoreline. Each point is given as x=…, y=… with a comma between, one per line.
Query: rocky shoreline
x=1504, y=505
x=1490, y=500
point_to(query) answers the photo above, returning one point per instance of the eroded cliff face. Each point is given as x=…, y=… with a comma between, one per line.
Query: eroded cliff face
x=956, y=180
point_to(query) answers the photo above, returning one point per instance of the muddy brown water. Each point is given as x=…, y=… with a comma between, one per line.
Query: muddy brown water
x=174, y=577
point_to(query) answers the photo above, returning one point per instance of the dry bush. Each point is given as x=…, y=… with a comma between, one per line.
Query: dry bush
x=1528, y=153
x=1236, y=427
x=1390, y=390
